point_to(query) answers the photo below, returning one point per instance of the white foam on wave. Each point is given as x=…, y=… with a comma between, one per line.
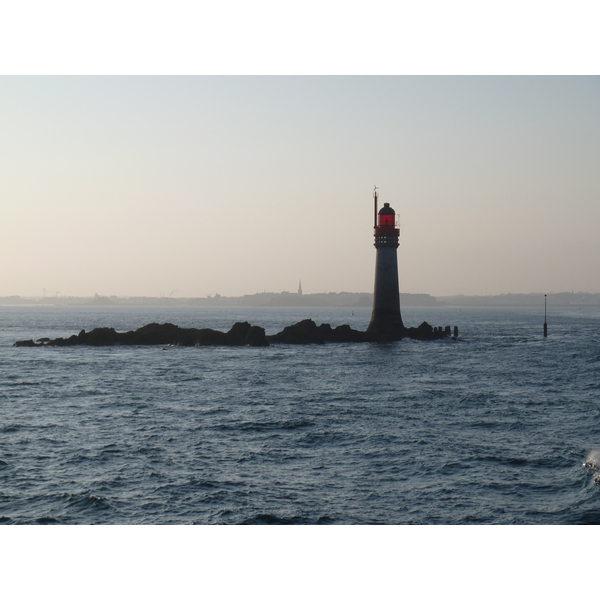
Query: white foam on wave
x=592, y=460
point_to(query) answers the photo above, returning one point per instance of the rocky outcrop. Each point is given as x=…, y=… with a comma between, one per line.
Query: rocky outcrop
x=241, y=334
x=167, y=334
x=307, y=332
x=27, y=343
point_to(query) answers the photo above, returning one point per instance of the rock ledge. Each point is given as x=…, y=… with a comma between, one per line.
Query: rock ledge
x=241, y=334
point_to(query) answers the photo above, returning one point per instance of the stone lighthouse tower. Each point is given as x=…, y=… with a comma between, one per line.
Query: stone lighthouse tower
x=386, y=320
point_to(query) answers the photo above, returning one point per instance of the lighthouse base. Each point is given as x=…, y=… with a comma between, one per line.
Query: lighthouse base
x=386, y=323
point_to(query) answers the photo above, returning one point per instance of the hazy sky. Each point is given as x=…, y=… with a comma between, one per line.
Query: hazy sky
x=235, y=185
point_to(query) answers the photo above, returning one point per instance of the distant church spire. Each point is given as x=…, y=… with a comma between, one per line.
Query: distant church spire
x=300, y=287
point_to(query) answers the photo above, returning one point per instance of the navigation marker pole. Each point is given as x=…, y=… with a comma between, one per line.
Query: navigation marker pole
x=545, y=324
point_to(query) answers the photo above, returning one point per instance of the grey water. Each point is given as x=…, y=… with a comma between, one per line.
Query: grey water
x=500, y=426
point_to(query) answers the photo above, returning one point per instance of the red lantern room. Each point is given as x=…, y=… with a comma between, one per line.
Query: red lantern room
x=386, y=221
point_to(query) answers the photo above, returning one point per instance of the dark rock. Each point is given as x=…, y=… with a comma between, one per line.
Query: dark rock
x=241, y=334
x=426, y=332
x=150, y=335
x=237, y=334
x=345, y=333
x=101, y=336
x=307, y=332
x=325, y=330
x=211, y=337
x=26, y=344
x=425, y=328
x=167, y=334
x=304, y=332
x=256, y=337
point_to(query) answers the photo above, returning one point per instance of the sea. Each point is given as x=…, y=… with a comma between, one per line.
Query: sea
x=498, y=426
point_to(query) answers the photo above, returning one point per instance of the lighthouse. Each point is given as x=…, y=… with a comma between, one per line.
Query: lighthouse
x=385, y=319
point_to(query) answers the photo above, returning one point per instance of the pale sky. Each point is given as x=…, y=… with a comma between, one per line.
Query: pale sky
x=190, y=186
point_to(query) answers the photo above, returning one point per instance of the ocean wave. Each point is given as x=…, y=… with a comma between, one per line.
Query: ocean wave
x=86, y=500
x=47, y=521
x=12, y=428
x=265, y=425
x=271, y=519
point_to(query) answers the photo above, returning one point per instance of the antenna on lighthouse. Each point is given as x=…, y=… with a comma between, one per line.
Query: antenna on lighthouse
x=375, y=199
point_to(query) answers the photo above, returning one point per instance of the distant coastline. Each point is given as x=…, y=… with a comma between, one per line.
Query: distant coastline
x=323, y=300
x=562, y=299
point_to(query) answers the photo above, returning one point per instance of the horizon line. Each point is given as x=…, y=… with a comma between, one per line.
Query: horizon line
x=285, y=292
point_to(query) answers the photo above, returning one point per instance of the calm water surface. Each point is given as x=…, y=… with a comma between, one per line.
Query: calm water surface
x=492, y=428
